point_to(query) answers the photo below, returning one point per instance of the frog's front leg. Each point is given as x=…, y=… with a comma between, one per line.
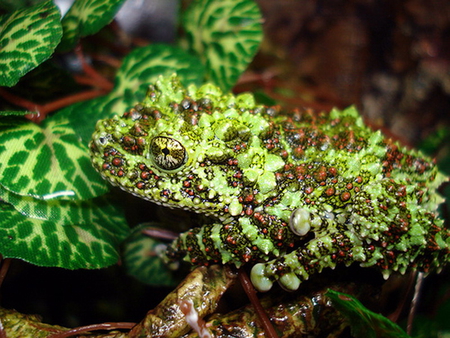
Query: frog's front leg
x=324, y=251
x=239, y=241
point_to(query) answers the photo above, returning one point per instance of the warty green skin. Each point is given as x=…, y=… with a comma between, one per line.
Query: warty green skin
x=292, y=193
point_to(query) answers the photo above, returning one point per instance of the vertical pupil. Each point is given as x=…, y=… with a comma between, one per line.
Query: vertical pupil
x=167, y=153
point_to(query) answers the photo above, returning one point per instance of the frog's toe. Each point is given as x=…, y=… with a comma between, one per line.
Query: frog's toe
x=260, y=280
x=289, y=281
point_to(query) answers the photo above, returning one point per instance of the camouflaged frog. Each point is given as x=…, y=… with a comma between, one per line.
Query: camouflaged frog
x=291, y=193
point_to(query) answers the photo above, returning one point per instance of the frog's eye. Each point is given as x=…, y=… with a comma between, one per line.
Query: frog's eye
x=168, y=153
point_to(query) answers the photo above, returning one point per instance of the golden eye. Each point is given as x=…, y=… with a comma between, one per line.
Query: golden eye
x=168, y=153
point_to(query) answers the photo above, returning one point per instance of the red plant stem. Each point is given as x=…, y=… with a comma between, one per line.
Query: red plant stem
x=85, y=80
x=109, y=60
x=93, y=327
x=70, y=99
x=19, y=101
x=43, y=110
x=251, y=294
x=4, y=269
x=160, y=233
x=100, y=81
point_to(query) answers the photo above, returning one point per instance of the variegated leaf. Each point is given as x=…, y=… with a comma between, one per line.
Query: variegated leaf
x=46, y=161
x=59, y=211
x=139, y=69
x=93, y=244
x=140, y=258
x=87, y=17
x=225, y=35
x=28, y=37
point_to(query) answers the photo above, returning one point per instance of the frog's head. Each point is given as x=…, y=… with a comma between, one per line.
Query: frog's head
x=193, y=148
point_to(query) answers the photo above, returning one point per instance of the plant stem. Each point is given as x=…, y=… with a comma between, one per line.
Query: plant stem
x=251, y=294
x=4, y=269
x=414, y=302
x=100, y=81
x=93, y=327
x=44, y=109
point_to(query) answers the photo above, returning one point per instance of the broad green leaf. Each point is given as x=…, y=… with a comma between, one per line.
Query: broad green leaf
x=225, y=35
x=87, y=17
x=46, y=161
x=28, y=37
x=363, y=322
x=93, y=244
x=140, y=259
x=144, y=65
x=139, y=69
x=59, y=211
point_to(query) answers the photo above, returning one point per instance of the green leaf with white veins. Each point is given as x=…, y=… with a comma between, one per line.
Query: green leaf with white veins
x=87, y=17
x=46, y=161
x=139, y=69
x=91, y=245
x=59, y=211
x=28, y=37
x=225, y=35
x=140, y=258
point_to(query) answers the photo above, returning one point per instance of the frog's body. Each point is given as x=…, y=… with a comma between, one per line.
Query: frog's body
x=295, y=193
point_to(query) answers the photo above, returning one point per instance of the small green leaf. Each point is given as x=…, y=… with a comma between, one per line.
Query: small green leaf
x=15, y=113
x=93, y=244
x=140, y=258
x=436, y=140
x=28, y=37
x=46, y=161
x=139, y=69
x=87, y=17
x=225, y=35
x=363, y=322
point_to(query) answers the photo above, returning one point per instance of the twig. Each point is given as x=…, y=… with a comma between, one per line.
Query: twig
x=70, y=99
x=4, y=269
x=251, y=294
x=93, y=327
x=396, y=314
x=44, y=109
x=100, y=81
x=109, y=60
x=414, y=302
x=19, y=101
x=160, y=233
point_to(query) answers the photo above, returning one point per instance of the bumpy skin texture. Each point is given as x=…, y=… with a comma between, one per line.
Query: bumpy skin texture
x=292, y=192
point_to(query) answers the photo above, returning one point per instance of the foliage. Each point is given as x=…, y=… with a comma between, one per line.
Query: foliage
x=364, y=323
x=228, y=39
x=28, y=37
x=52, y=212
x=55, y=210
